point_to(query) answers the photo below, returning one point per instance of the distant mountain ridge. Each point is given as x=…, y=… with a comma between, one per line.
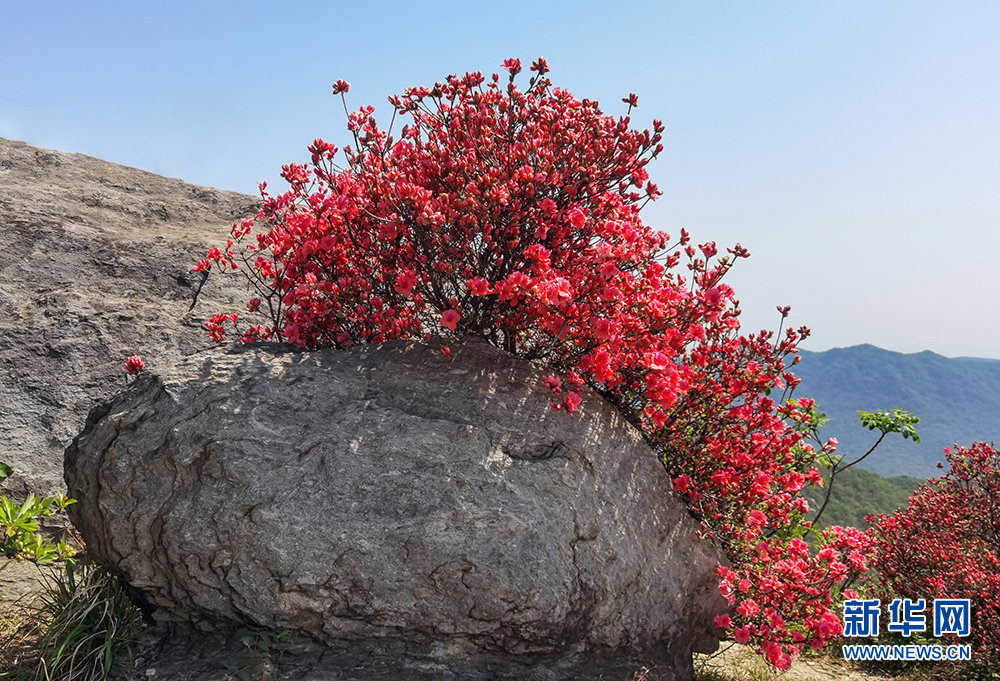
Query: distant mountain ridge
x=957, y=400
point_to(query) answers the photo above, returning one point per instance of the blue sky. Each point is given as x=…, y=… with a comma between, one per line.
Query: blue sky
x=852, y=147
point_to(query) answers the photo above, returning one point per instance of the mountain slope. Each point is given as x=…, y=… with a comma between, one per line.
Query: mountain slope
x=95, y=265
x=856, y=493
x=957, y=400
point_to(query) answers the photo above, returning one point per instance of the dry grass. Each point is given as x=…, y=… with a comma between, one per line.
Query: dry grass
x=20, y=634
x=73, y=630
x=732, y=662
x=10, y=623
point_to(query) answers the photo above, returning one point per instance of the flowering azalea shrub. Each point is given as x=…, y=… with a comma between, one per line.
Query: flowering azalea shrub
x=788, y=594
x=946, y=544
x=513, y=216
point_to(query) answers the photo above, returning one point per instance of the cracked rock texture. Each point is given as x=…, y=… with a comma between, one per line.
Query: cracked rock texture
x=95, y=265
x=434, y=505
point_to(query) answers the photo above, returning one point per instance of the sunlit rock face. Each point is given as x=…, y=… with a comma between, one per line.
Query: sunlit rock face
x=95, y=265
x=390, y=496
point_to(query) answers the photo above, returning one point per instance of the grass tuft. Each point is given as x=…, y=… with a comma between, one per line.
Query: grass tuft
x=82, y=619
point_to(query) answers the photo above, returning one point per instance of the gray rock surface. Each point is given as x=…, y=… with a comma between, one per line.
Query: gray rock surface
x=19, y=581
x=433, y=505
x=95, y=265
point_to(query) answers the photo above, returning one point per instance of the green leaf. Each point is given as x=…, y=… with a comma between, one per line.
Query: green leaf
x=40, y=551
x=5, y=470
x=19, y=527
x=62, y=501
x=892, y=421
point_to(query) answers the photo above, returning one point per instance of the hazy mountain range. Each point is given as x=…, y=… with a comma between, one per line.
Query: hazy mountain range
x=957, y=400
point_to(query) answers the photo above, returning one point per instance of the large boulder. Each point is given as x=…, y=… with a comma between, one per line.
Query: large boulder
x=393, y=494
x=95, y=265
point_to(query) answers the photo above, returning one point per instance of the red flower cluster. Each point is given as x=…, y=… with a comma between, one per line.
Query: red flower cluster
x=134, y=365
x=946, y=544
x=788, y=595
x=513, y=216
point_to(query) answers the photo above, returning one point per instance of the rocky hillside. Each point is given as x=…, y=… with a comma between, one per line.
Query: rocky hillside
x=957, y=400
x=95, y=265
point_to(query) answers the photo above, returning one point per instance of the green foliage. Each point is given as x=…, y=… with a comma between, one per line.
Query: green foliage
x=973, y=671
x=892, y=421
x=859, y=492
x=886, y=422
x=19, y=536
x=85, y=615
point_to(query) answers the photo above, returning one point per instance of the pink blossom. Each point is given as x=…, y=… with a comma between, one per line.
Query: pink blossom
x=657, y=361
x=713, y=297
x=682, y=483
x=512, y=65
x=540, y=65
x=405, y=282
x=552, y=382
x=388, y=231
x=571, y=401
x=479, y=286
x=450, y=319
x=748, y=608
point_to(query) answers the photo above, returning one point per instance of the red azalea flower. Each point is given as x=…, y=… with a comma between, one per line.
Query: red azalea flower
x=134, y=365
